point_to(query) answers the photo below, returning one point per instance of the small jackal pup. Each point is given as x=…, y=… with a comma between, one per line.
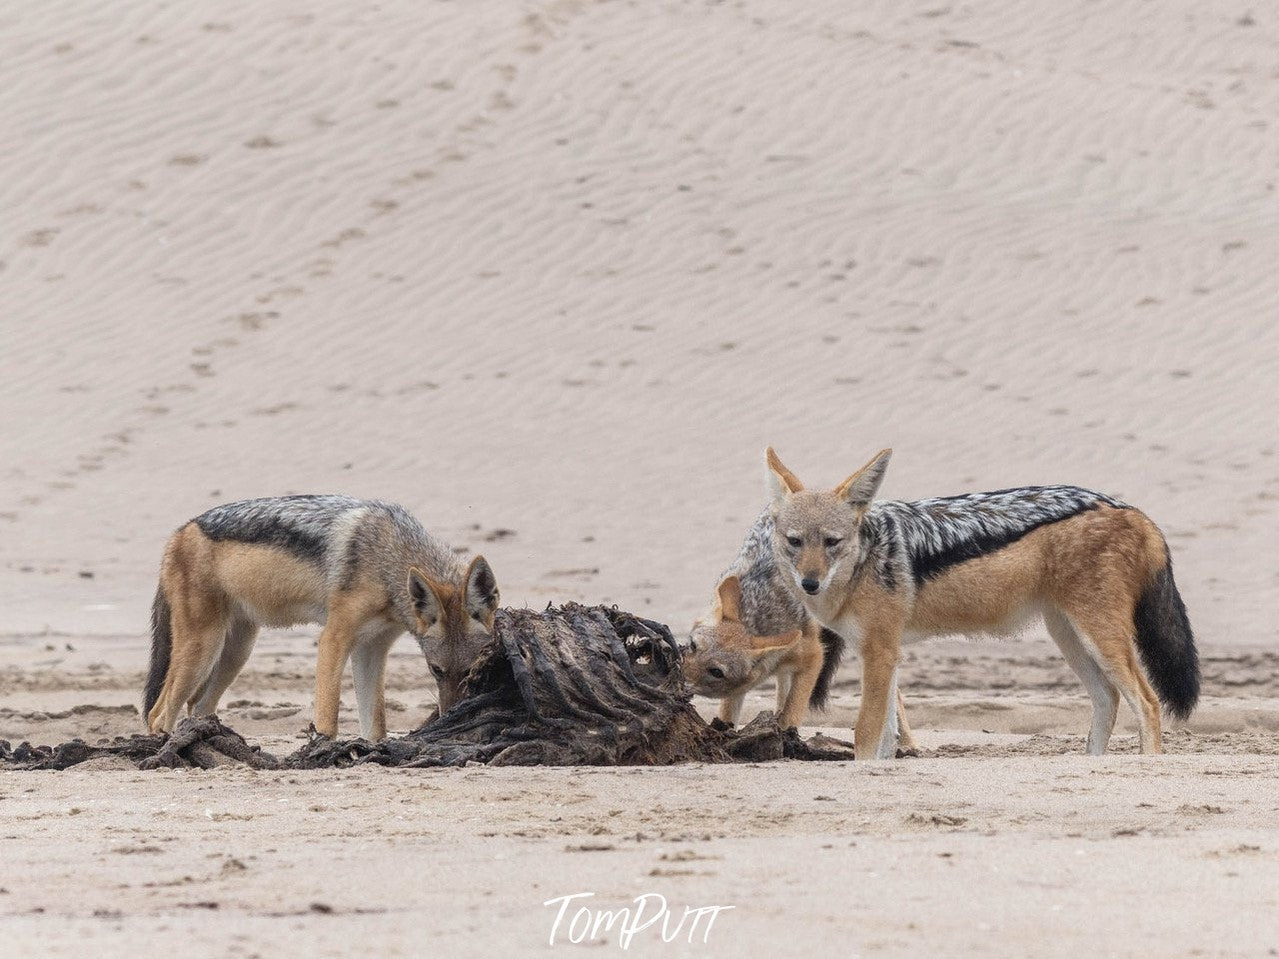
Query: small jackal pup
x=1097, y=570
x=366, y=570
x=757, y=630
x=726, y=660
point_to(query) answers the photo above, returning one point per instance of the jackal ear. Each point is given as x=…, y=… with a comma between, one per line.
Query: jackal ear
x=424, y=594
x=860, y=488
x=730, y=599
x=781, y=481
x=774, y=644
x=481, y=589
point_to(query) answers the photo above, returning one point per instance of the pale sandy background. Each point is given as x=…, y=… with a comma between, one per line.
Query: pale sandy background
x=563, y=270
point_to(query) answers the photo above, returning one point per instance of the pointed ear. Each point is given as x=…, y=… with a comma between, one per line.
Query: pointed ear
x=730, y=599
x=424, y=595
x=860, y=488
x=481, y=590
x=781, y=481
x=773, y=644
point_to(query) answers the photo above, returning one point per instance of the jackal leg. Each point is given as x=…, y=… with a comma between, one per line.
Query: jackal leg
x=1102, y=692
x=793, y=707
x=235, y=653
x=340, y=632
x=368, y=665
x=730, y=708
x=905, y=738
x=875, y=735
x=1107, y=635
x=1141, y=698
x=199, y=631
x=784, y=683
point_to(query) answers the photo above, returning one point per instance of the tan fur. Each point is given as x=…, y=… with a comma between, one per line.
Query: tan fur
x=219, y=593
x=1085, y=574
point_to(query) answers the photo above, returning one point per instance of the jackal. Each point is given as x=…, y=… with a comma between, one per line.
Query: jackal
x=366, y=570
x=757, y=629
x=1097, y=570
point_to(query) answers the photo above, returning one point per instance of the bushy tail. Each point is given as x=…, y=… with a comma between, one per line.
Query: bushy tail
x=832, y=653
x=161, y=645
x=1167, y=645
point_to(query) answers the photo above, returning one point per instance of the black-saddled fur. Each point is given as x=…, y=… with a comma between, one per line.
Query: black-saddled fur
x=832, y=653
x=933, y=565
x=298, y=524
x=161, y=646
x=1167, y=645
x=936, y=534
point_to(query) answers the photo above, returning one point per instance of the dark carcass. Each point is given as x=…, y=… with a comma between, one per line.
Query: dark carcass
x=567, y=686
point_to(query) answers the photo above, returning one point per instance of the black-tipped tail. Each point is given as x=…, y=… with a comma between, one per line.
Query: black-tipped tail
x=832, y=653
x=161, y=645
x=1167, y=645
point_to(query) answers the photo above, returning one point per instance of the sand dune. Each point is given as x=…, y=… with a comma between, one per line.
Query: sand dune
x=572, y=270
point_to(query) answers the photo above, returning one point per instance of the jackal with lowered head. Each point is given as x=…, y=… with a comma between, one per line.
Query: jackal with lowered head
x=368, y=571
x=757, y=629
x=1097, y=570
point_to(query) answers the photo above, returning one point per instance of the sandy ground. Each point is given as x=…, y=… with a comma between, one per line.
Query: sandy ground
x=1001, y=839
x=552, y=274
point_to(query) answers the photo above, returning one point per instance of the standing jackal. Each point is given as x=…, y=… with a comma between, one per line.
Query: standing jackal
x=366, y=570
x=1097, y=570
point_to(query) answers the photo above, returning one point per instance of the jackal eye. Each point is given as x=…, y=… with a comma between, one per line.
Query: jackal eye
x=436, y=671
x=833, y=541
x=716, y=672
x=794, y=542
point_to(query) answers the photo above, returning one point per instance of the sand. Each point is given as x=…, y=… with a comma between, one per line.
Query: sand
x=553, y=275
